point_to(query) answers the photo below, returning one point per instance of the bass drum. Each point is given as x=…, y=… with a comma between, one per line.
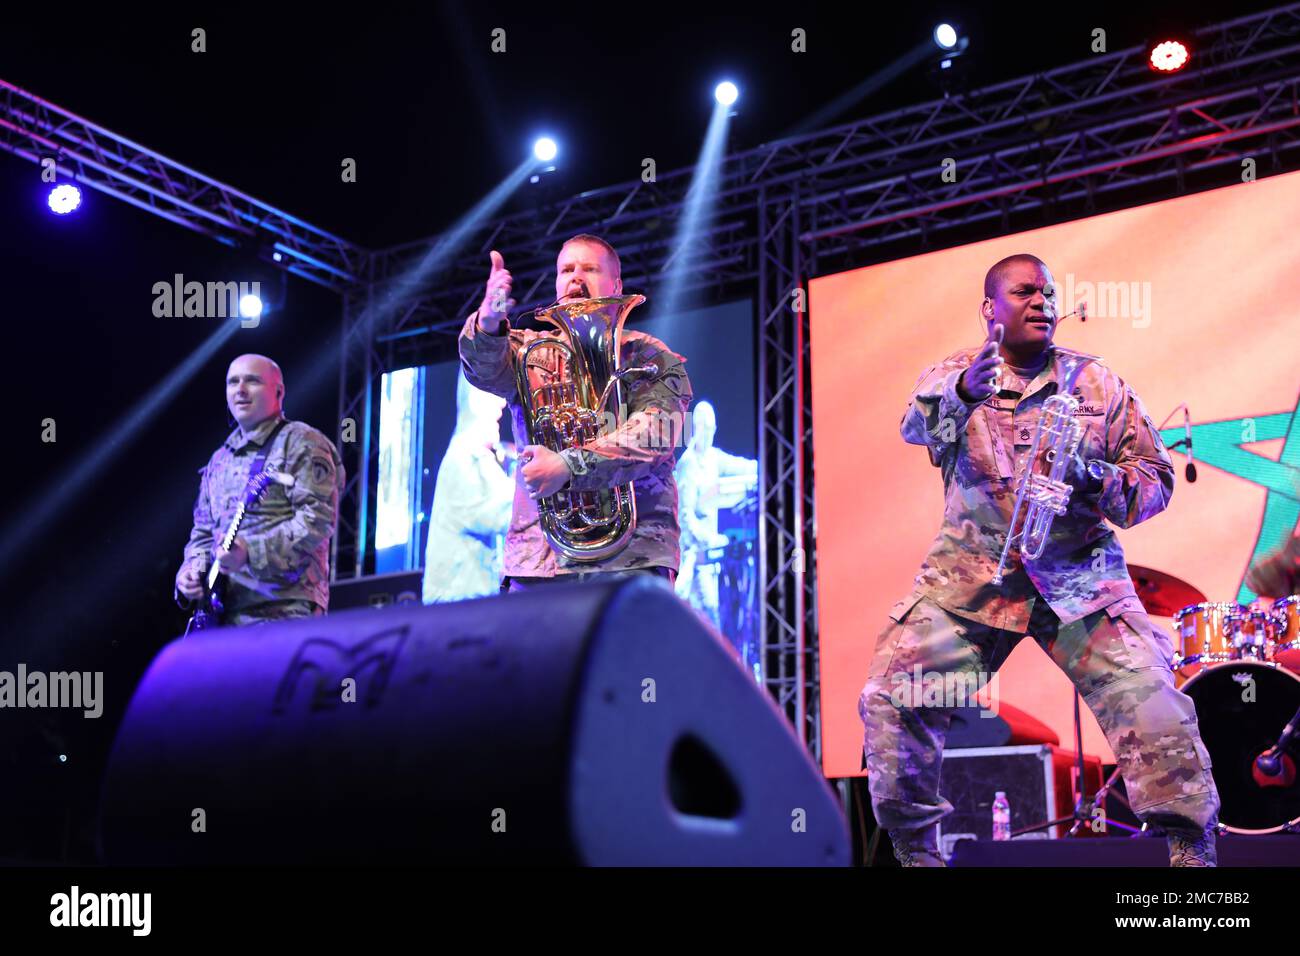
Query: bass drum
x=1242, y=707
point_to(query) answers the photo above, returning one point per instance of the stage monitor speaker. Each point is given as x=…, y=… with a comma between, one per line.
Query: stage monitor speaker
x=592, y=724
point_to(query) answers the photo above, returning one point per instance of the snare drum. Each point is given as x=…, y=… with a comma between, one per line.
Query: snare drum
x=1201, y=636
x=1286, y=634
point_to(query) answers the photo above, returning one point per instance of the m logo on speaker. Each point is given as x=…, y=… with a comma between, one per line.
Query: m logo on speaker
x=369, y=662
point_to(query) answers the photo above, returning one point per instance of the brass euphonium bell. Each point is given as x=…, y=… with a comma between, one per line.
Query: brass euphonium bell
x=580, y=401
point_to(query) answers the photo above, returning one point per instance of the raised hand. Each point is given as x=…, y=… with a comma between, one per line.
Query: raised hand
x=496, y=297
x=979, y=381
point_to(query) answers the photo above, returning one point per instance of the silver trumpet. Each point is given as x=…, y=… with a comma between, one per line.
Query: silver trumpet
x=1047, y=494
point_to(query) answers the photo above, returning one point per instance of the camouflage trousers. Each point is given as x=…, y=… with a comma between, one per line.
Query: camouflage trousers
x=273, y=611
x=1119, y=662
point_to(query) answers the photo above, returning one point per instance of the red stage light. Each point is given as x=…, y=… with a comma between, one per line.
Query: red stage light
x=1169, y=56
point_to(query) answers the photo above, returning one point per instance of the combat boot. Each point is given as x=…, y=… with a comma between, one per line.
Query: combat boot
x=917, y=847
x=1185, y=850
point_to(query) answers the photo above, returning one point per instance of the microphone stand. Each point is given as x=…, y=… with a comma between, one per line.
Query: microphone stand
x=1185, y=441
x=1083, y=807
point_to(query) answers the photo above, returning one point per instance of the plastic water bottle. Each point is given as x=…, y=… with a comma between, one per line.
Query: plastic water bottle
x=1001, y=817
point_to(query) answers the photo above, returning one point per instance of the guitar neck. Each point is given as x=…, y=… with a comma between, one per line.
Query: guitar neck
x=227, y=540
x=257, y=486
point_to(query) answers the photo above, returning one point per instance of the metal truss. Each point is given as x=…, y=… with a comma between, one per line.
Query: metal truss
x=787, y=529
x=359, y=371
x=1099, y=134
x=1061, y=143
x=36, y=129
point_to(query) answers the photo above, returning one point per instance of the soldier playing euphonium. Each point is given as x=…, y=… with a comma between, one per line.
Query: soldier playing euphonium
x=639, y=450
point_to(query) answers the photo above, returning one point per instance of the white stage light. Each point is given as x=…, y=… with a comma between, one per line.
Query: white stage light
x=545, y=149
x=250, y=307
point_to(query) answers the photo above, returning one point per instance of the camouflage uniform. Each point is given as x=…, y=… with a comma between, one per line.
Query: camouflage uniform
x=1076, y=599
x=641, y=450
x=274, y=611
x=287, y=532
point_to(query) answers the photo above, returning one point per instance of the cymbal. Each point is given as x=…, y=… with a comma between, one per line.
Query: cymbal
x=1163, y=594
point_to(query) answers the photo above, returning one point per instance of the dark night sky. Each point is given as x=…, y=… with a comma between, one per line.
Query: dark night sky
x=434, y=120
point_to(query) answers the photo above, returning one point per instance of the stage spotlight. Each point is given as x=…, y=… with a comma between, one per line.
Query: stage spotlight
x=64, y=199
x=726, y=93
x=1169, y=56
x=250, y=307
x=545, y=149
x=945, y=34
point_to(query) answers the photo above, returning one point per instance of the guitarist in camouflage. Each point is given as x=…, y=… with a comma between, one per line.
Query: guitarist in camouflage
x=277, y=566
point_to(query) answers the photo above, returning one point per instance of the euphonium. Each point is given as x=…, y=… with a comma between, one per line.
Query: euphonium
x=570, y=408
x=1048, y=494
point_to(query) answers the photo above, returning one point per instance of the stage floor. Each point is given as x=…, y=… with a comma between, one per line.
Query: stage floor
x=1234, y=851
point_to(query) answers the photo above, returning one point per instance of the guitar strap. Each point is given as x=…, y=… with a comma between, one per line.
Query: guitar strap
x=259, y=463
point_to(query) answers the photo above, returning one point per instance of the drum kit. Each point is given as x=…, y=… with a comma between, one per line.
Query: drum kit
x=1241, y=667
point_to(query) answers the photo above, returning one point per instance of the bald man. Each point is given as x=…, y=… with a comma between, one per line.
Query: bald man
x=278, y=565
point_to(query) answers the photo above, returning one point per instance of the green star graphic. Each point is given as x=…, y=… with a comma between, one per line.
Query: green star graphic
x=1219, y=444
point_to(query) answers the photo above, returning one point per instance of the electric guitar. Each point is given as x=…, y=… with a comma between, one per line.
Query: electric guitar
x=210, y=608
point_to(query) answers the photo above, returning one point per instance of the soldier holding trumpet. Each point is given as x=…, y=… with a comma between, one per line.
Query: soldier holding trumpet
x=977, y=412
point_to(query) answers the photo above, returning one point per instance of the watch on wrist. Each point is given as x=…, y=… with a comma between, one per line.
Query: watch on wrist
x=1097, y=469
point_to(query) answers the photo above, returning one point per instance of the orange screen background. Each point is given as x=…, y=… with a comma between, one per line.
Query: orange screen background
x=1223, y=269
